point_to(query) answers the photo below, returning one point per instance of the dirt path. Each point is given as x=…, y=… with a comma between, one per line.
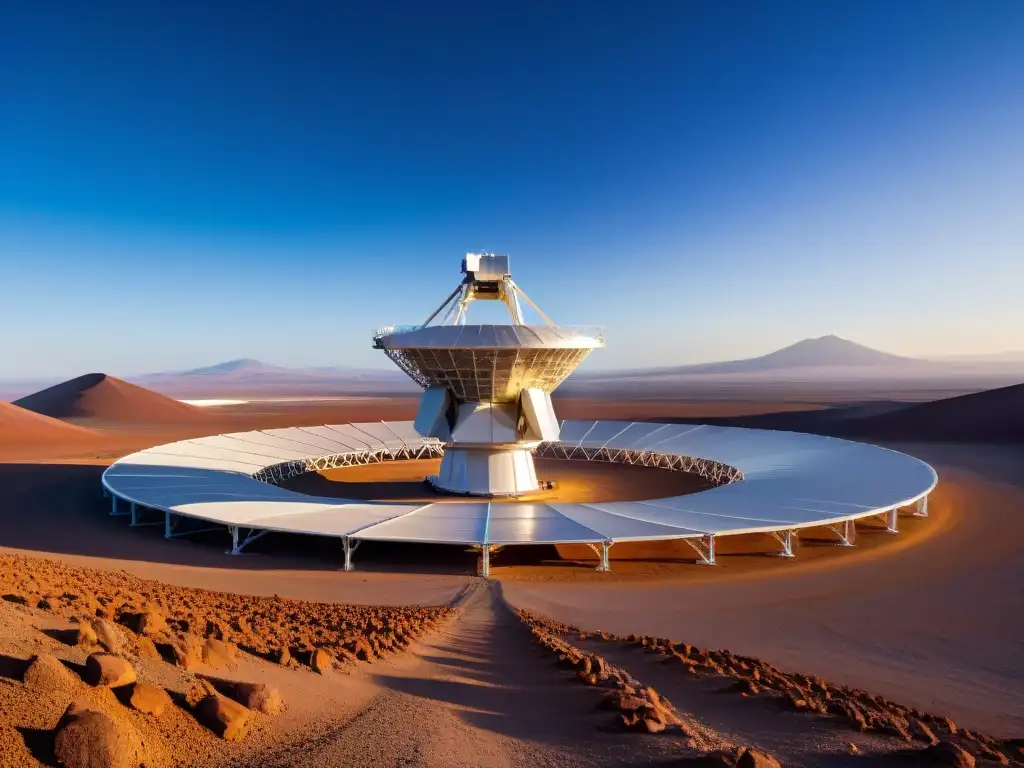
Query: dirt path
x=478, y=693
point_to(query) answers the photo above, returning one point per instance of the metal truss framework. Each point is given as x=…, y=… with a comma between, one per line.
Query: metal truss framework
x=713, y=471
x=278, y=473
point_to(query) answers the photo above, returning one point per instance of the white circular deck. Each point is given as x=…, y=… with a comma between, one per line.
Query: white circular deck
x=774, y=482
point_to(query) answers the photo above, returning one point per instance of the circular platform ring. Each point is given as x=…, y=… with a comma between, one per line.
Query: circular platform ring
x=765, y=482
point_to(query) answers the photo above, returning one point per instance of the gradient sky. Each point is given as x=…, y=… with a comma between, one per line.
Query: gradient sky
x=185, y=183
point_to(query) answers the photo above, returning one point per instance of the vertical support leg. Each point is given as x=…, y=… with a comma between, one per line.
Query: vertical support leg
x=350, y=547
x=113, y=505
x=922, y=507
x=233, y=530
x=605, y=565
x=892, y=524
x=134, y=514
x=711, y=550
x=785, y=538
x=485, y=561
x=167, y=525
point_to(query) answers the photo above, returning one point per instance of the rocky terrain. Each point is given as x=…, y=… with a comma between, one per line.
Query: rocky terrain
x=907, y=734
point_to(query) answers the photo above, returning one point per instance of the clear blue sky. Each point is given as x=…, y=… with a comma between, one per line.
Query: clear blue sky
x=184, y=183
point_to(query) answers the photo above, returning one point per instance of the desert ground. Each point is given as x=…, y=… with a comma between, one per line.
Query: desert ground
x=423, y=663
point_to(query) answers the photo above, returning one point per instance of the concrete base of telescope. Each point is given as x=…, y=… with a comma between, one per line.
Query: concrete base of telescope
x=487, y=471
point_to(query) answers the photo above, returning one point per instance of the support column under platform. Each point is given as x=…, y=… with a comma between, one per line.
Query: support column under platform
x=602, y=551
x=487, y=471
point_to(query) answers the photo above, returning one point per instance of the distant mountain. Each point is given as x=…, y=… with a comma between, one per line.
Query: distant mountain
x=826, y=352
x=102, y=397
x=246, y=376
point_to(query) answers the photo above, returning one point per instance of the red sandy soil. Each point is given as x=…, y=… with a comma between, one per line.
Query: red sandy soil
x=19, y=427
x=929, y=618
x=104, y=398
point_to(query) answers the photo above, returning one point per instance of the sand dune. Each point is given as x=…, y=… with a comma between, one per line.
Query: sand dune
x=994, y=416
x=21, y=427
x=104, y=398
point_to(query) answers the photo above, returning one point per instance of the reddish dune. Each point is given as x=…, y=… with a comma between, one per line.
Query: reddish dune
x=104, y=398
x=994, y=416
x=21, y=427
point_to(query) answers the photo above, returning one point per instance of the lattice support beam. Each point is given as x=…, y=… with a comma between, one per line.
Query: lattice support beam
x=713, y=471
x=350, y=545
x=785, y=538
x=705, y=549
x=846, y=532
x=485, y=561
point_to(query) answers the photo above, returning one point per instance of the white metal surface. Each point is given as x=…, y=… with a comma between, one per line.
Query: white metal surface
x=789, y=481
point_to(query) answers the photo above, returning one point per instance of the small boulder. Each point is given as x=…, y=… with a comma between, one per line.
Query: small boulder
x=46, y=673
x=147, y=649
x=149, y=623
x=321, y=661
x=107, y=635
x=258, y=697
x=199, y=691
x=754, y=758
x=946, y=753
x=87, y=738
x=188, y=652
x=218, y=653
x=109, y=670
x=149, y=699
x=228, y=719
x=85, y=637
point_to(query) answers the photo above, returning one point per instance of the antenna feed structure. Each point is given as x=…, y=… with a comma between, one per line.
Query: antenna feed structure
x=487, y=388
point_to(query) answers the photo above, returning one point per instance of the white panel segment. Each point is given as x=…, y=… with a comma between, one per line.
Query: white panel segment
x=522, y=523
x=540, y=414
x=618, y=527
x=339, y=520
x=350, y=433
x=279, y=443
x=327, y=440
x=430, y=418
x=266, y=453
x=573, y=432
x=444, y=523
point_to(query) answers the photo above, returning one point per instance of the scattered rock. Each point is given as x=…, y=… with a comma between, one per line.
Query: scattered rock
x=754, y=758
x=108, y=636
x=16, y=599
x=282, y=656
x=228, y=719
x=199, y=691
x=147, y=649
x=149, y=699
x=852, y=748
x=946, y=753
x=149, y=623
x=109, y=670
x=258, y=697
x=218, y=653
x=85, y=637
x=922, y=732
x=188, y=651
x=87, y=738
x=46, y=673
x=321, y=661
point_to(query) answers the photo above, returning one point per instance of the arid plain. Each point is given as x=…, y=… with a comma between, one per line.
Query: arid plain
x=414, y=660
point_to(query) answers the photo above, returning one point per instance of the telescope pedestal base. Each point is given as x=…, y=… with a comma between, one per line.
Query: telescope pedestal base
x=487, y=471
